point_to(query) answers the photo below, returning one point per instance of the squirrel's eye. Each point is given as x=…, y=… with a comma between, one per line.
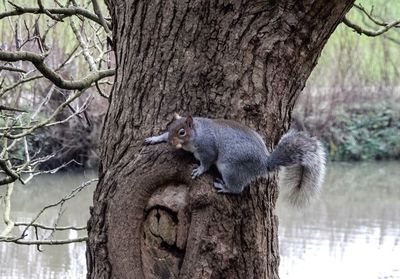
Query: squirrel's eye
x=182, y=132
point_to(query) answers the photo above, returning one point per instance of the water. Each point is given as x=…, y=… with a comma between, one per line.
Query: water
x=66, y=261
x=352, y=231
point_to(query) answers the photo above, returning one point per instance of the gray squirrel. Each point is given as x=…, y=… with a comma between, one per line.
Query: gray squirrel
x=240, y=155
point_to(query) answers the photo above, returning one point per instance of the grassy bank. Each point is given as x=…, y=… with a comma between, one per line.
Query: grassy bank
x=356, y=132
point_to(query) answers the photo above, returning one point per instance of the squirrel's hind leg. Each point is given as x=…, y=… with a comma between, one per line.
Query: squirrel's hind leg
x=231, y=175
x=220, y=186
x=230, y=184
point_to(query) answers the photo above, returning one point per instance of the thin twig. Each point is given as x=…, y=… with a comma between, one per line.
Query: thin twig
x=19, y=82
x=370, y=33
x=85, y=49
x=97, y=11
x=369, y=15
x=47, y=120
x=7, y=203
x=64, y=199
x=102, y=94
x=42, y=9
x=12, y=69
x=5, y=165
x=44, y=242
x=44, y=227
x=11, y=109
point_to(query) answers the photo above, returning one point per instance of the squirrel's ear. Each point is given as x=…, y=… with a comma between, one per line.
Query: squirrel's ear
x=189, y=121
x=176, y=115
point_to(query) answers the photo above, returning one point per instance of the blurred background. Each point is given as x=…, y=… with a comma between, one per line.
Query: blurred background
x=351, y=102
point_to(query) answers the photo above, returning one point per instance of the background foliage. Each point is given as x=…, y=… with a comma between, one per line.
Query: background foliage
x=351, y=98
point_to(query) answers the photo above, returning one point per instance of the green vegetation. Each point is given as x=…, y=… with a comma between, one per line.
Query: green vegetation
x=365, y=132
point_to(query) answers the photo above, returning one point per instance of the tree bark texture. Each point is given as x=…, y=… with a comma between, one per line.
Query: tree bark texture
x=242, y=60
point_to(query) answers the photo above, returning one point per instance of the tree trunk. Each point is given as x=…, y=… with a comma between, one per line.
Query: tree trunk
x=243, y=60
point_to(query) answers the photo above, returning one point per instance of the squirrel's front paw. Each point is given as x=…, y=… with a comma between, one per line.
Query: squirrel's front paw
x=151, y=140
x=197, y=171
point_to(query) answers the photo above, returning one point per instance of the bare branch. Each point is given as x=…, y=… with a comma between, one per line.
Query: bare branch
x=41, y=7
x=44, y=242
x=76, y=113
x=7, y=203
x=46, y=121
x=69, y=57
x=53, y=171
x=12, y=69
x=38, y=61
x=80, y=110
x=26, y=165
x=11, y=109
x=5, y=165
x=370, y=33
x=67, y=197
x=66, y=12
x=370, y=16
x=376, y=21
x=102, y=94
x=19, y=82
x=45, y=100
x=7, y=180
x=85, y=49
x=40, y=160
x=25, y=79
x=102, y=20
x=44, y=227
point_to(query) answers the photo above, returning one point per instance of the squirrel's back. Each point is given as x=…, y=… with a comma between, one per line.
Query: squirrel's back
x=230, y=135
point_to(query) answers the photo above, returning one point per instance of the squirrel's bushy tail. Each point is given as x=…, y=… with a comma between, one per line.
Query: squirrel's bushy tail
x=303, y=159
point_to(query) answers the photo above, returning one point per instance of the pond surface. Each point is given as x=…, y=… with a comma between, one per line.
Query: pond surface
x=66, y=261
x=352, y=231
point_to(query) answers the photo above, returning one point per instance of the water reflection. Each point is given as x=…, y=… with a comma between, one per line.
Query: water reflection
x=353, y=231
x=67, y=261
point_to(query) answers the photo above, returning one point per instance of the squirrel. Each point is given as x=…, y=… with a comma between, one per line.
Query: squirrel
x=240, y=155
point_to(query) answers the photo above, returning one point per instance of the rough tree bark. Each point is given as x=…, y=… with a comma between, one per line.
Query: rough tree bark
x=243, y=60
